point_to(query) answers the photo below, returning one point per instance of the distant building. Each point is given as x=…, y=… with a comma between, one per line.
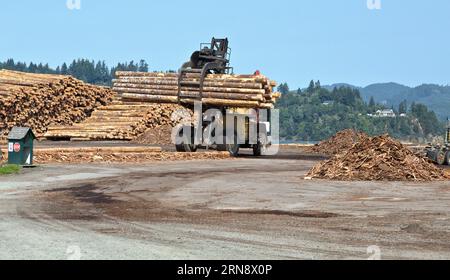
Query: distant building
x=388, y=113
x=328, y=102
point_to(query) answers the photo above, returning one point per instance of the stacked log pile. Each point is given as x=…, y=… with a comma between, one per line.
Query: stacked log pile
x=38, y=100
x=339, y=143
x=143, y=109
x=250, y=91
x=378, y=159
x=119, y=120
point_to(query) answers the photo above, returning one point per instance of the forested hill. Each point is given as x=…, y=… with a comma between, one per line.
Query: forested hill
x=436, y=97
x=317, y=113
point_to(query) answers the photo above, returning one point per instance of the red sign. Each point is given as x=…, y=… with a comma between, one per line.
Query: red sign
x=16, y=147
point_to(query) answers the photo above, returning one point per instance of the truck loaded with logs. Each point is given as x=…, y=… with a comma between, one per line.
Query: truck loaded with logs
x=230, y=111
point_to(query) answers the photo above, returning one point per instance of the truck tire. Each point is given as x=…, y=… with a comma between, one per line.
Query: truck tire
x=260, y=148
x=180, y=148
x=431, y=155
x=222, y=148
x=233, y=149
x=183, y=147
x=447, y=158
x=186, y=148
x=257, y=150
x=441, y=157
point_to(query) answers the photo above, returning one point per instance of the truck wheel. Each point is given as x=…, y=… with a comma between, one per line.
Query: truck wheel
x=180, y=148
x=447, y=158
x=441, y=157
x=222, y=148
x=185, y=148
x=258, y=150
x=233, y=149
x=431, y=155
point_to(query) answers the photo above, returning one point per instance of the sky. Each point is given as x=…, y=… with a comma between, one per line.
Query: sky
x=334, y=41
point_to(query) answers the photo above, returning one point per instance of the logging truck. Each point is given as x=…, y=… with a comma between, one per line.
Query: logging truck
x=225, y=128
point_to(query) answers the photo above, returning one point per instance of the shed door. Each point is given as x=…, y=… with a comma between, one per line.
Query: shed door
x=27, y=154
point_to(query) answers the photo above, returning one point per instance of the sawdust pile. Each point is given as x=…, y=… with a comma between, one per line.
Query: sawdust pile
x=339, y=143
x=377, y=159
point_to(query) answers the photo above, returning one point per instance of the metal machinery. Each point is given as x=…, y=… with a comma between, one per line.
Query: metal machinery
x=440, y=154
x=211, y=58
x=214, y=58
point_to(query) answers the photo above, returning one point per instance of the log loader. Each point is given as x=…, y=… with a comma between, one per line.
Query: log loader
x=440, y=154
x=250, y=127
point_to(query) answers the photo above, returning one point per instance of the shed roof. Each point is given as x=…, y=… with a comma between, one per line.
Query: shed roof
x=17, y=133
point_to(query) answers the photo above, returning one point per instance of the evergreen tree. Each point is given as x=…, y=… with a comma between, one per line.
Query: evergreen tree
x=143, y=66
x=64, y=69
x=403, y=107
x=372, y=103
x=311, y=87
x=283, y=88
x=317, y=85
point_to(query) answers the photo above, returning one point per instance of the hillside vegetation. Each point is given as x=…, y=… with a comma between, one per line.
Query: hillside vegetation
x=318, y=113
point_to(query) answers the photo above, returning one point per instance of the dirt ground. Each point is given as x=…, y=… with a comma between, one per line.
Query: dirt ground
x=246, y=208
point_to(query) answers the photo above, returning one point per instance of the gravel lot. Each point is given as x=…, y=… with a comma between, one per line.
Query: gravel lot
x=246, y=208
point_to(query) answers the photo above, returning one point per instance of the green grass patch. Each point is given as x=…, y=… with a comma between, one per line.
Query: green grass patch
x=9, y=169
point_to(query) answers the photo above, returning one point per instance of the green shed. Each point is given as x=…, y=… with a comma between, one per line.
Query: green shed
x=20, y=146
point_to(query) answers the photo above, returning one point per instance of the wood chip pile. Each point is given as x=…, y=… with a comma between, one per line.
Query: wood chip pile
x=377, y=159
x=123, y=157
x=248, y=91
x=38, y=100
x=119, y=155
x=339, y=143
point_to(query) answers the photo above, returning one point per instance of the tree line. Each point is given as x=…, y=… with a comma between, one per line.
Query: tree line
x=316, y=113
x=90, y=71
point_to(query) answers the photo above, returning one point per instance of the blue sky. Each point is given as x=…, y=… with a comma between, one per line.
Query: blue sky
x=407, y=41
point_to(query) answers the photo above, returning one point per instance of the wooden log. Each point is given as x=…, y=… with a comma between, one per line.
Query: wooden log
x=174, y=82
x=155, y=89
x=237, y=78
x=150, y=98
x=231, y=96
x=223, y=102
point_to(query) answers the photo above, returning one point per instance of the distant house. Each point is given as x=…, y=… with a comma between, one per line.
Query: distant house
x=387, y=113
x=328, y=102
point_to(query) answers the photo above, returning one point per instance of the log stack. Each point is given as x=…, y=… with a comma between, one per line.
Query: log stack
x=119, y=120
x=38, y=100
x=146, y=102
x=249, y=91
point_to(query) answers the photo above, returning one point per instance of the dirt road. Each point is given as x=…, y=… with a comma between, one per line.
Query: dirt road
x=232, y=209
